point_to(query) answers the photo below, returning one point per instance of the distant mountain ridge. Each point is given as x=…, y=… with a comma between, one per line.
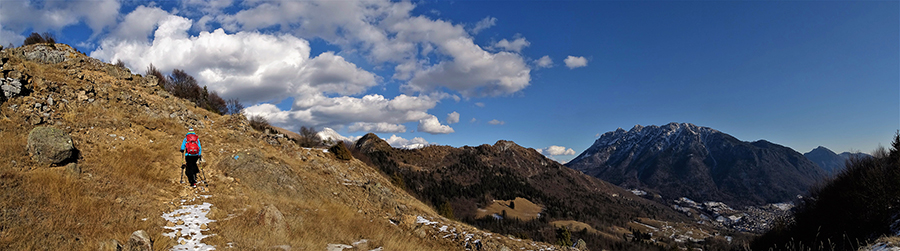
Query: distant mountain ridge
x=468, y=178
x=701, y=163
x=831, y=162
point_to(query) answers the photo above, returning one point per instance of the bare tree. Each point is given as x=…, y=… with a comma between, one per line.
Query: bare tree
x=309, y=137
x=234, y=106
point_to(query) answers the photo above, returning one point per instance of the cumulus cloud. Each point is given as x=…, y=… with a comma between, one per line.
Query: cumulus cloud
x=40, y=16
x=386, y=32
x=479, y=104
x=255, y=66
x=485, y=23
x=496, y=122
x=376, y=127
x=452, y=118
x=544, y=62
x=323, y=111
x=260, y=67
x=433, y=126
x=556, y=150
x=515, y=45
x=574, y=62
x=400, y=142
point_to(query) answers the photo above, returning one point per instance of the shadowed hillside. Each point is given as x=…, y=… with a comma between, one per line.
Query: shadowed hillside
x=468, y=182
x=859, y=205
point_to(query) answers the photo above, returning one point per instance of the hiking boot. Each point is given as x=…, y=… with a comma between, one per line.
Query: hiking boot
x=194, y=185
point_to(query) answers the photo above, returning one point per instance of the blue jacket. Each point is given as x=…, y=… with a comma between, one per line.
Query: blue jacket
x=184, y=141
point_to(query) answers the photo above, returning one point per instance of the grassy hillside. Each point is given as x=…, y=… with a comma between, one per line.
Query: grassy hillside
x=855, y=208
x=128, y=131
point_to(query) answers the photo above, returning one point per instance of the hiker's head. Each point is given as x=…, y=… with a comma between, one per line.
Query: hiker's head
x=190, y=129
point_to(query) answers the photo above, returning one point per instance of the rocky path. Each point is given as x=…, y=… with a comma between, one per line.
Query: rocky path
x=189, y=223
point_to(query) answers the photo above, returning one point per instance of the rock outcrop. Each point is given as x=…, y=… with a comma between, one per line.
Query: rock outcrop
x=272, y=218
x=139, y=241
x=341, y=152
x=50, y=145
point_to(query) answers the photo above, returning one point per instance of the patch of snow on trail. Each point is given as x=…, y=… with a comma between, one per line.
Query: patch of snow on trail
x=189, y=233
x=422, y=220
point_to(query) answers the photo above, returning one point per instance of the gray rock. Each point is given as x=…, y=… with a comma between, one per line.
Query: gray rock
x=73, y=170
x=110, y=245
x=49, y=145
x=581, y=245
x=11, y=87
x=271, y=217
x=139, y=241
x=47, y=54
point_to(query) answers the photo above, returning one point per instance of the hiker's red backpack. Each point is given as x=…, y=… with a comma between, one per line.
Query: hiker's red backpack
x=192, y=145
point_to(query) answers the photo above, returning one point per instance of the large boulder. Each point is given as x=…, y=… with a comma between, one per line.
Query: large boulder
x=272, y=218
x=253, y=168
x=50, y=145
x=139, y=241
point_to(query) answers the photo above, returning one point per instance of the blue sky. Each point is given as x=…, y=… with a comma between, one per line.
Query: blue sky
x=799, y=73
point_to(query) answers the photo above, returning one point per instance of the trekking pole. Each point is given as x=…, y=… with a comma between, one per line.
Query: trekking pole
x=181, y=177
x=204, y=175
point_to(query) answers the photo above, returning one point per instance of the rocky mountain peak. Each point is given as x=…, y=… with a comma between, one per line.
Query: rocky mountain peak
x=371, y=142
x=683, y=159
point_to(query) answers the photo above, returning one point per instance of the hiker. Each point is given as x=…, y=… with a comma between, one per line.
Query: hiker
x=192, y=151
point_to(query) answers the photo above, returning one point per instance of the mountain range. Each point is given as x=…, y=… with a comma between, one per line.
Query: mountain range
x=684, y=160
x=470, y=179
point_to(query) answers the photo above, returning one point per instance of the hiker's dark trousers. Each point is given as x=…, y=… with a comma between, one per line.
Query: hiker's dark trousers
x=191, y=170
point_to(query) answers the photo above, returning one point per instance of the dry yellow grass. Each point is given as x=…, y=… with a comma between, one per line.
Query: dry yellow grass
x=524, y=209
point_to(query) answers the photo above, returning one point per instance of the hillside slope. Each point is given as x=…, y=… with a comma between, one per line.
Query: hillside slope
x=703, y=164
x=853, y=209
x=264, y=192
x=474, y=180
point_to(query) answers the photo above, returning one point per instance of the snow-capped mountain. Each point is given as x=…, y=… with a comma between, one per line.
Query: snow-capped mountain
x=681, y=159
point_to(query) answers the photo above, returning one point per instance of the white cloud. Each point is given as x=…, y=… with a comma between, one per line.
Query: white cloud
x=479, y=104
x=376, y=127
x=323, y=111
x=544, y=62
x=452, y=118
x=473, y=120
x=574, y=62
x=515, y=45
x=261, y=67
x=386, y=32
x=433, y=126
x=414, y=143
x=556, y=150
x=41, y=16
x=139, y=24
x=496, y=122
x=254, y=66
x=485, y=23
